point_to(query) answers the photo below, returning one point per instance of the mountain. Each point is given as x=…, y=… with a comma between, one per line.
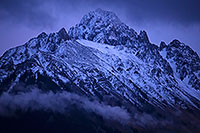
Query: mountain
x=104, y=60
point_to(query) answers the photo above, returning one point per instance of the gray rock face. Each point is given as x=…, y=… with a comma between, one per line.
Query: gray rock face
x=185, y=62
x=63, y=34
x=162, y=45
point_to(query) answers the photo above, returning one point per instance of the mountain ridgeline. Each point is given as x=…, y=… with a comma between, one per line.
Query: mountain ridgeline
x=106, y=61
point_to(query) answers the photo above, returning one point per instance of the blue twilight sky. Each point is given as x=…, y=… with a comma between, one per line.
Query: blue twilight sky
x=163, y=20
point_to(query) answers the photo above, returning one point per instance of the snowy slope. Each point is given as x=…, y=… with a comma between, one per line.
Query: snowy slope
x=130, y=62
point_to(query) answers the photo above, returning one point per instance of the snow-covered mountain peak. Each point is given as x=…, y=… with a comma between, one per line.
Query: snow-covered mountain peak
x=103, y=27
x=102, y=15
x=104, y=59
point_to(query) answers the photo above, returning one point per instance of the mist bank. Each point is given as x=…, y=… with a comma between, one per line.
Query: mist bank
x=60, y=102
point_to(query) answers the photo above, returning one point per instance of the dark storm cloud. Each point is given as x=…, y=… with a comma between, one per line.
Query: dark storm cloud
x=42, y=12
x=181, y=11
x=30, y=12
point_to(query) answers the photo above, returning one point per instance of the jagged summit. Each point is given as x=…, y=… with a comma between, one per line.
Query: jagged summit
x=104, y=15
x=63, y=34
x=104, y=27
x=175, y=43
x=162, y=45
x=184, y=61
x=42, y=35
x=144, y=37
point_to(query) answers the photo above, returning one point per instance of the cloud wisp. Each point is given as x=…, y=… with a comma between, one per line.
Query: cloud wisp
x=60, y=102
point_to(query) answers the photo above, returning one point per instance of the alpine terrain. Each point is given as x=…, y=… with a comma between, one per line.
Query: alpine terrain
x=100, y=76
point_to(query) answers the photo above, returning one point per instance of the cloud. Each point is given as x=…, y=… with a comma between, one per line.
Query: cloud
x=63, y=102
x=179, y=11
x=46, y=12
x=29, y=12
x=59, y=102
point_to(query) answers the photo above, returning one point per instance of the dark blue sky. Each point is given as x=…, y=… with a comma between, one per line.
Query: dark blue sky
x=163, y=20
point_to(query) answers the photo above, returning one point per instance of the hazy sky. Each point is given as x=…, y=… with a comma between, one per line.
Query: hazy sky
x=163, y=20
